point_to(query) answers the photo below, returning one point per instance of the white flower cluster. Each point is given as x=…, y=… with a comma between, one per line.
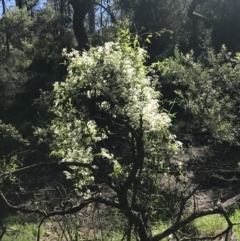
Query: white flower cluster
x=117, y=73
x=120, y=75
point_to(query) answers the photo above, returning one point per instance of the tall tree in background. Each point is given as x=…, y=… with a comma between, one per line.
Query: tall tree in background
x=3, y=6
x=91, y=19
x=19, y=3
x=80, y=10
x=154, y=16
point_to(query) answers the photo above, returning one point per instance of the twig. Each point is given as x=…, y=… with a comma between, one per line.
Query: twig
x=20, y=209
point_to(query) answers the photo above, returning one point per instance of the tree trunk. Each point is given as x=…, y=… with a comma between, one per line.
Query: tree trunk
x=80, y=8
x=6, y=34
x=194, y=40
x=19, y=4
x=91, y=19
x=3, y=6
x=61, y=7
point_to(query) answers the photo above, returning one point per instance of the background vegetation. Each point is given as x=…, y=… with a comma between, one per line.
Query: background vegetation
x=119, y=120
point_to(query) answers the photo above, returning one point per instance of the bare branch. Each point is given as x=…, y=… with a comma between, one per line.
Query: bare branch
x=31, y=6
x=226, y=231
x=208, y=237
x=20, y=209
x=107, y=9
x=97, y=199
x=55, y=164
x=218, y=210
x=230, y=203
x=186, y=221
x=195, y=16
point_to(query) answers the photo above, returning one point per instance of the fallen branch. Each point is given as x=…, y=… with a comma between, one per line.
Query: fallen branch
x=232, y=202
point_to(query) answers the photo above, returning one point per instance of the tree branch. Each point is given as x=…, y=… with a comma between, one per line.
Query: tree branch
x=113, y=19
x=97, y=199
x=226, y=231
x=186, y=221
x=55, y=164
x=20, y=209
x=32, y=5
x=195, y=16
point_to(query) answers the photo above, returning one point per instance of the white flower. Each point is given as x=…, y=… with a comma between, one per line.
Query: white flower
x=179, y=164
x=170, y=237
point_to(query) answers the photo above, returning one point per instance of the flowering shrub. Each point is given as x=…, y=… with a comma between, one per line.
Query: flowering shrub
x=108, y=122
x=111, y=136
x=114, y=76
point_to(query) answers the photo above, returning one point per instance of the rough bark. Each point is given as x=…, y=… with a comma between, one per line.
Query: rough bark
x=81, y=9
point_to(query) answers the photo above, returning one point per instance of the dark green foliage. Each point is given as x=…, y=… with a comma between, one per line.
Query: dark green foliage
x=225, y=19
x=208, y=90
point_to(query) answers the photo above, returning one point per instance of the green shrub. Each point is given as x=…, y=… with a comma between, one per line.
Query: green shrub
x=21, y=232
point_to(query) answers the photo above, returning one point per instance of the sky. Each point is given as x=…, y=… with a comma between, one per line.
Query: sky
x=8, y=3
x=11, y=3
